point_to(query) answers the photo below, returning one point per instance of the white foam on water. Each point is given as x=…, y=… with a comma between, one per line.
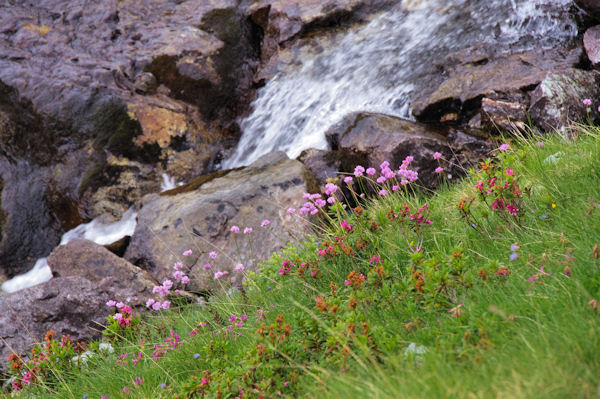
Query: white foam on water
x=378, y=66
x=100, y=233
x=168, y=183
x=103, y=233
x=39, y=274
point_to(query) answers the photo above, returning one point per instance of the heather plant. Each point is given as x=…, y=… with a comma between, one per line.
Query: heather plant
x=395, y=296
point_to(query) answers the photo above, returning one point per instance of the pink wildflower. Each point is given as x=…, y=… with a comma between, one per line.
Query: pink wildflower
x=439, y=169
x=156, y=305
x=383, y=192
x=248, y=230
x=187, y=252
x=331, y=200
x=177, y=265
x=218, y=275
x=346, y=282
x=539, y=143
x=235, y=229
x=587, y=102
x=206, y=266
x=111, y=303
x=330, y=188
x=503, y=147
x=381, y=179
x=346, y=226
x=348, y=179
x=265, y=223
x=358, y=171
x=320, y=203
x=119, y=305
x=371, y=171
x=178, y=275
x=437, y=155
x=213, y=255
x=150, y=302
x=240, y=267
x=185, y=280
x=395, y=188
x=291, y=211
x=139, y=380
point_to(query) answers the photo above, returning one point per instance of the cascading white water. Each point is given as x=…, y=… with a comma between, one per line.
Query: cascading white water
x=96, y=231
x=376, y=67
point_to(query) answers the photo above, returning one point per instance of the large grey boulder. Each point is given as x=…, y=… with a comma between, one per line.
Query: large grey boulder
x=202, y=217
x=109, y=273
x=557, y=101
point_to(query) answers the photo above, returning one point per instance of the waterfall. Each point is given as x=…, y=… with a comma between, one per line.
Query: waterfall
x=376, y=67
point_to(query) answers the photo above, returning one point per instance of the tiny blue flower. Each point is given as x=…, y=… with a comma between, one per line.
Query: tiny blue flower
x=85, y=396
x=513, y=247
x=269, y=287
x=544, y=217
x=196, y=355
x=163, y=385
x=514, y=256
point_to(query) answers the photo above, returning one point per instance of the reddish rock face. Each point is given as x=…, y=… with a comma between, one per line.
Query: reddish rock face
x=122, y=280
x=70, y=305
x=591, y=42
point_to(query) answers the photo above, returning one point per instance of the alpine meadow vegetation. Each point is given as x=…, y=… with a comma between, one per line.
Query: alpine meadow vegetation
x=487, y=287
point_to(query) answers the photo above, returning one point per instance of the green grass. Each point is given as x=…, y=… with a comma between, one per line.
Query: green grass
x=515, y=339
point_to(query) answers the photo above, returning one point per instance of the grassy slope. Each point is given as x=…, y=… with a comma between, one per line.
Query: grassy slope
x=516, y=338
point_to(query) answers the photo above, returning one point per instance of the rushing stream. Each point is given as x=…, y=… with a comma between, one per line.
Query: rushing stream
x=377, y=66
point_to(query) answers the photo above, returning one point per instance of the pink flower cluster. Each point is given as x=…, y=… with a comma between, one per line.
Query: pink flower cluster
x=162, y=290
x=347, y=226
x=125, y=315
x=286, y=265
x=312, y=205
x=171, y=343
x=178, y=274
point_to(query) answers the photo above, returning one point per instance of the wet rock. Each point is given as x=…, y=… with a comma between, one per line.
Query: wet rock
x=68, y=305
x=475, y=74
x=592, y=7
x=369, y=139
x=323, y=164
x=145, y=83
x=108, y=272
x=40, y=166
x=201, y=219
x=557, y=100
x=282, y=21
x=591, y=42
x=503, y=115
